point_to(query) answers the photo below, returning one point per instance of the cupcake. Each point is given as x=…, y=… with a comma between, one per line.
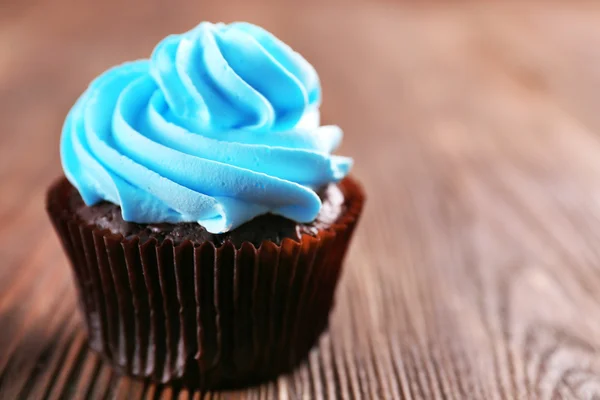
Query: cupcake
x=203, y=214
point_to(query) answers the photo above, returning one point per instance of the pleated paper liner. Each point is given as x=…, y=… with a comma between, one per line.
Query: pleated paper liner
x=201, y=315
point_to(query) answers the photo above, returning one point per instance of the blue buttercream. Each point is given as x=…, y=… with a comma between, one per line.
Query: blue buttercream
x=220, y=125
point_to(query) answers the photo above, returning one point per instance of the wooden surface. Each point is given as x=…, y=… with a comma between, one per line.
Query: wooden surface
x=475, y=273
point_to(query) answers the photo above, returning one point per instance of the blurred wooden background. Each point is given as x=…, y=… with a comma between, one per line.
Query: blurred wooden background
x=476, y=131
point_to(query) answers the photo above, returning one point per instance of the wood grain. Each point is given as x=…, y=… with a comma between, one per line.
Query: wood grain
x=475, y=273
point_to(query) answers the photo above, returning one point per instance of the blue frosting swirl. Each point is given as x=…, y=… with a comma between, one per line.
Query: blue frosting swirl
x=219, y=126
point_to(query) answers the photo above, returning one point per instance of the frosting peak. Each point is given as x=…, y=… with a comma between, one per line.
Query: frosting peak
x=219, y=77
x=219, y=126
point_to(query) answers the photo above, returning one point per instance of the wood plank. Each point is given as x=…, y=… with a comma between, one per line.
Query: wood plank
x=475, y=273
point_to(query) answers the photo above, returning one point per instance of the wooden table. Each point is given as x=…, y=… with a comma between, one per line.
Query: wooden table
x=475, y=273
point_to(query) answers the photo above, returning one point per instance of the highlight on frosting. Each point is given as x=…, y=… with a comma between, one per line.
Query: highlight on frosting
x=220, y=125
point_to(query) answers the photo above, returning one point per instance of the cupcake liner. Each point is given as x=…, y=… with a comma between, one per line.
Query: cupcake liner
x=206, y=316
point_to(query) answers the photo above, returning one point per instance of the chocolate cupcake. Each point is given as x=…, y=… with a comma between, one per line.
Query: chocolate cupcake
x=203, y=213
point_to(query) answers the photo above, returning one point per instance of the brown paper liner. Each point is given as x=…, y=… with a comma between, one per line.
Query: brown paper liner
x=200, y=315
